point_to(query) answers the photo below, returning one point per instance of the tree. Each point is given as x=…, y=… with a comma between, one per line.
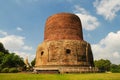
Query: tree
x=103, y=65
x=115, y=68
x=1, y=56
x=33, y=62
x=12, y=60
x=9, y=60
x=2, y=49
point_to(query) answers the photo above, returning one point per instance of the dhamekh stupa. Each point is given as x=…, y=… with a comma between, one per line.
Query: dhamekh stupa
x=64, y=49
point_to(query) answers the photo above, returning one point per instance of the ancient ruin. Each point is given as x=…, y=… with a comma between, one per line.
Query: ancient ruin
x=64, y=49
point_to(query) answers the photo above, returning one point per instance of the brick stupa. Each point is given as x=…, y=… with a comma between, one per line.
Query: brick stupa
x=64, y=49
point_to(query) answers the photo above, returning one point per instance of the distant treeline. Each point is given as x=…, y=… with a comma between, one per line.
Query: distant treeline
x=106, y=65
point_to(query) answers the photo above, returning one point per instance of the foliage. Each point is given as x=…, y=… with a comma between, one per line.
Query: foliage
x=5, y=70
x=33, y=62
x=1, y=56
x=0, y=68
x=103, y=65
x=2, y=49
x=13, y=70
x=115, y=68
x=12, y=60
x=9, y=60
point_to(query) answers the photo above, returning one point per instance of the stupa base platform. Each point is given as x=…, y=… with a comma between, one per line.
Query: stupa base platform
x=66, y=69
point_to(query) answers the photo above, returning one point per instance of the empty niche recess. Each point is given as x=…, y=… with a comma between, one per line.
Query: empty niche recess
x=42, y=52
x=68, y=51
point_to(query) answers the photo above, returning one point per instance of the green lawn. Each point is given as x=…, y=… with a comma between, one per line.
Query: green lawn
x=90, y=76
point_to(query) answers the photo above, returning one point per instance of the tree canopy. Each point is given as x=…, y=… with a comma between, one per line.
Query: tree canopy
x=115, y=68
x=2, y=49
x=9, y=60
x=103, y=65
x=12, y=60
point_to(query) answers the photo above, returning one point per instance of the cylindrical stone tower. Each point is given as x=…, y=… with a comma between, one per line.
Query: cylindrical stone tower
x=64, y=49
x=63, y=26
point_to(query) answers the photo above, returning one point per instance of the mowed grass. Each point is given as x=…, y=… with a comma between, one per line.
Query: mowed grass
x=89, y=76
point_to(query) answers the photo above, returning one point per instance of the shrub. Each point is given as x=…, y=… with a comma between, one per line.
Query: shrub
x=5, y=70
x=13, y=70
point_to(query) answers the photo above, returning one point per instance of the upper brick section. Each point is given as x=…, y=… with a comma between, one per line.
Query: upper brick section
x=63, y=26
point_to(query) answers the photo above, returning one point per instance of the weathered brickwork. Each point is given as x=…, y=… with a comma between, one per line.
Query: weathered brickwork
x=63, y=48
x=64, y=52
x=63, y=26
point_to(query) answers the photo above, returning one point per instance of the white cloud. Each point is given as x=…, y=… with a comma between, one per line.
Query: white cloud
x=108, y=48
x=107, y=8
x=89, y=22
x=19, y=29
x=27, y=48
x=15, y=43
x=12, y=42
x=3, y=33
x=116, y=54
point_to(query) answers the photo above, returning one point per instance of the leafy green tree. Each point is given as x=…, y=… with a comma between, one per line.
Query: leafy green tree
x=18, y=61
x=12, y=60
x=1, y=57
x=115, y=68
x=33, y=62
x=103, y=65
x=9, y=60
x=2, y=49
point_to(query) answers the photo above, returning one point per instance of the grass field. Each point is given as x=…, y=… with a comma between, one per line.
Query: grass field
x=90, y=76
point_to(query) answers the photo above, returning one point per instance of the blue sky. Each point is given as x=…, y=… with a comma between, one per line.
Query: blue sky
x=22, y=24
